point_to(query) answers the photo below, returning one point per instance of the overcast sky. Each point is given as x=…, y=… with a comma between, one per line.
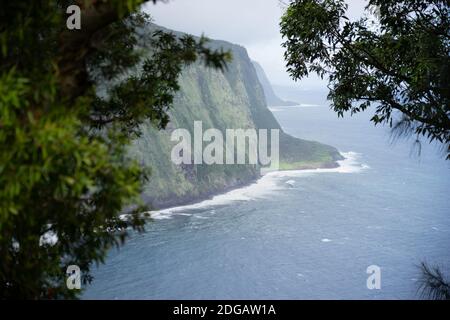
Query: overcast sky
x=250, y=23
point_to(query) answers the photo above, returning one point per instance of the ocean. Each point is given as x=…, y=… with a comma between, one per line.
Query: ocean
x=299, y=234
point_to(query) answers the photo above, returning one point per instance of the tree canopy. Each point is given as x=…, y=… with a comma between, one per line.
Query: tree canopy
x=65, y=176
x=396, y=59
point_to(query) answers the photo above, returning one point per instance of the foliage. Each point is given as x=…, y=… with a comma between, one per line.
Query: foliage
x=433, y=284
x=397, y=60
x=64, y=171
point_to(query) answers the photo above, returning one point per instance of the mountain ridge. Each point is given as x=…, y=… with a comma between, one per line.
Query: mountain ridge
x=271, y=97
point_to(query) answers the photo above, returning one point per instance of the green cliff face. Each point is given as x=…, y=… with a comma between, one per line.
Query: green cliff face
x=230, y=100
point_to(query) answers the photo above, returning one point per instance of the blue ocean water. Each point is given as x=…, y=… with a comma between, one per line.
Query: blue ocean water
x=310, y=238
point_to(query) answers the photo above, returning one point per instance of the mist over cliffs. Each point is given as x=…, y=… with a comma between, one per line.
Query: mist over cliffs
x=271, y=98
x=223, y=100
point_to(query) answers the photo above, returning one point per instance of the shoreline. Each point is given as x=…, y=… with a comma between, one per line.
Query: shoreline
x=192, y=200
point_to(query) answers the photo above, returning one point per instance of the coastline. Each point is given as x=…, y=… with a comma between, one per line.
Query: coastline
x=193, y=199
x=167, y=204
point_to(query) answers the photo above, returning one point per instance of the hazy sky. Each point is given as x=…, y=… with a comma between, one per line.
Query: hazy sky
x=250, y=23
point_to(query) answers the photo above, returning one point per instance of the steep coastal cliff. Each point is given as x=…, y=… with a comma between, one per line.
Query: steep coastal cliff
x=232, y=99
